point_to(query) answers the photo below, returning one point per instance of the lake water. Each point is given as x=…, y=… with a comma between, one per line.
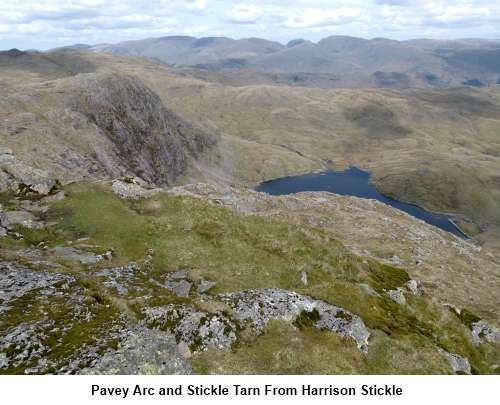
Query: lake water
x=354, y=182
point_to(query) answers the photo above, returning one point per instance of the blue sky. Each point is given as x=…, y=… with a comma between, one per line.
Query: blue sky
x=44, y=24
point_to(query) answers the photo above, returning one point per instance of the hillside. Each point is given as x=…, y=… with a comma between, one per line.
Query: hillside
x=435, y=148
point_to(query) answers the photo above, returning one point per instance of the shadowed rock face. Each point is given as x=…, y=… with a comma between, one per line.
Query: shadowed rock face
x=152, y=142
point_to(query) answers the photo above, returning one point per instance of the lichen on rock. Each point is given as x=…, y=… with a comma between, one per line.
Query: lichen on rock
x=199, y=330
x=260, y=306
x=142, y=351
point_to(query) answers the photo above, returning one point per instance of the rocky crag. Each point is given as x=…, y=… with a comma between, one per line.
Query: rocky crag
x=91, y=126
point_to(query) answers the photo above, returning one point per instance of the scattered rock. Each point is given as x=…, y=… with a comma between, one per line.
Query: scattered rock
x=483, y=332
x=3, y=232
x=205, y=286
x=119, y=277
x=21, y=178
x=132, y=190
x=260, y=306
x=143, y=351
x=177, y=275
x=412, y=286
x=397, y=296
x=36, y=257
x=226, y=200
x=179, y=288
x=72, y=254
x=23, y=343
x=16, y=281
x=199, y=330
x=460, y=365
x=4, y=361
x=9, y=219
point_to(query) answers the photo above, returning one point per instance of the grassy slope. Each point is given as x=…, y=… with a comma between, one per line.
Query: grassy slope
x=437, y=149
x=240, y=252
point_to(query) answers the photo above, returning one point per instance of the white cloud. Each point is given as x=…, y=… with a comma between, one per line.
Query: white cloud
x=315, y=17
x=244, y=13
x=48, y=23
x=196, y=4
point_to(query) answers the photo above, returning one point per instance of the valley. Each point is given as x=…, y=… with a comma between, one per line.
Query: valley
x=126, y=201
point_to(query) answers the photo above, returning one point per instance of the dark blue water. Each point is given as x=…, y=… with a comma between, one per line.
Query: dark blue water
x=353, y=182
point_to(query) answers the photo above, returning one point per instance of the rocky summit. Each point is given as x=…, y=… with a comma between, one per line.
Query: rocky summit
x=122, y=277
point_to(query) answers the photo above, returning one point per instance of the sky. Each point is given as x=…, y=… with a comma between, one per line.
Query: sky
x=45, y=24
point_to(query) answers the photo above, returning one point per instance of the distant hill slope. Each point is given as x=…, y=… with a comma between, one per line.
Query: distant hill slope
x=347, y=61
x=190, y=51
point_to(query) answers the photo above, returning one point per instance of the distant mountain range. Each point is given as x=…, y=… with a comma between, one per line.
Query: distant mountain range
x=336, y=61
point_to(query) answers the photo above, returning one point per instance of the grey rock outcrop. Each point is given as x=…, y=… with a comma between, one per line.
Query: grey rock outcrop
x=73, y=254
x=8, y=219
x=132, y=190
x=21, y=178
x=205, y=286
x=397, y=296
x=458, y=364
x=199, y=330
x=118, y=278
x=143, y=351
x=180, y=288
x=260, y=306
x=484, y=332
x=17, y=281
x=412, y=286
x=177, y=283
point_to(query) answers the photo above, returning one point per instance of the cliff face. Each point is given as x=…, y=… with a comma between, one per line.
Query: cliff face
x=151, y=141
x=95, y=126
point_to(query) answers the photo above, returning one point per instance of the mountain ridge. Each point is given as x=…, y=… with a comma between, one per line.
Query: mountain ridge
x=351, y=62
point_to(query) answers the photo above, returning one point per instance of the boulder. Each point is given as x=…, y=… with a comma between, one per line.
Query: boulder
x=205, y=286
x=8, y=219
x=73, y=254
x=484, y=332
x=460, y=365
x=180, y=288
x=397, y=296
x=412, y=286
